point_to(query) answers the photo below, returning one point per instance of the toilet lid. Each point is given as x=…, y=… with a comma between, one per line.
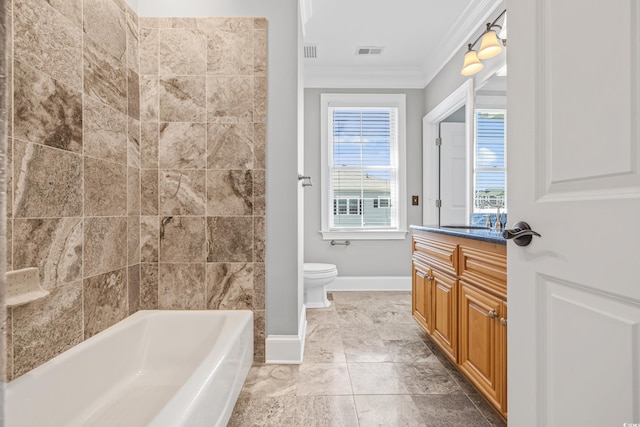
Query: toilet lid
x=318, y=268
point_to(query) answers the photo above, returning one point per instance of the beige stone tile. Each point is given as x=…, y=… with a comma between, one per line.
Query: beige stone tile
x=133, y=143
x=230, y=286
x=47, y=327
x=9, y=187
x=105, y=76
x=399, y=331
x=149, y=107
x=259, y=336
x=260, y=99
x=9, y=245
x=149, y=48
x=200, y=23
x=230, y=146
x=105, y=301
x=376, y=378
x=323, y=379
x=105, y=132
x=146, y=22
x=54, y=245
x=182, y=146
x=230, y=239
x=259, y=145
x=105, y=188
x=47, y=182
x=181, y=286
x=149, y=145
x=105, y=240
x=452, y=410
x=182, y=192
x=323, y=318
x=183, y=51
x=133, y=94
x=260, y=23
x=148, y=286
x=271, y=381
x=133, y=240
x=149, y=238
x=403, y=351
x=105, y=23
x=182, y=99
x=9, y=343
x=259, y=191
x=427, y=378
x=264, y=412
x=326, y=411
x=133, y=288
x=229, y=192
x=182, y=239
x=133, y=41
x=230, y=46
x=259, y=238
x=230, y=99
x=487, y=410
x=46, y=111
x=260, y=51
x=70, y=9
x=365, y=350
x=391, y=410
x=321, y=332
x=259, y=285
x=149, y=192
x=330, y=350
x=46, y=40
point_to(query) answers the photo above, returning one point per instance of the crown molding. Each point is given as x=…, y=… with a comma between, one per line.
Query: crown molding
x=461, y=33
x=363, y=77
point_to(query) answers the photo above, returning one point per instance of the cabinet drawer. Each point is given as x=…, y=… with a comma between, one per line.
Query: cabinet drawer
x=436, y=253
x=488, y=269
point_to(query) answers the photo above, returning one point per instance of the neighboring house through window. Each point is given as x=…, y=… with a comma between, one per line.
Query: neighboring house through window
x=363, y=166
x=490, y=161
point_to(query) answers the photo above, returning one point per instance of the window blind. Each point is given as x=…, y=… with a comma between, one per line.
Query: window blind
x=363, y=145
x=490, y=170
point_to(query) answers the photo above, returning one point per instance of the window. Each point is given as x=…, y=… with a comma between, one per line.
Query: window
x=489, y=174
x=363, y=161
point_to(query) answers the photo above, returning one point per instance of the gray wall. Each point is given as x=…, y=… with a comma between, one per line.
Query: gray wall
x=362, y=257
x=282, y=287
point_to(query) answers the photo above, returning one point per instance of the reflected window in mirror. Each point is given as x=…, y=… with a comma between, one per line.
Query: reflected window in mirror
x=489, y=168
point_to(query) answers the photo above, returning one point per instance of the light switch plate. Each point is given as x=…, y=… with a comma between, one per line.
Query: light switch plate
x=415, y=200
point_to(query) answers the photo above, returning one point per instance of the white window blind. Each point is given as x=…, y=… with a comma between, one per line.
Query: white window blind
x=490, y=162
x=363, y=166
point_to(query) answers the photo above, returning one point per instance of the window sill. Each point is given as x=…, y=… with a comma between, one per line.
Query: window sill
x=364, y=235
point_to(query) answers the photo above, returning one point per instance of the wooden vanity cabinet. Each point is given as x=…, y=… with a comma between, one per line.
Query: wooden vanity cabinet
x=459, y=297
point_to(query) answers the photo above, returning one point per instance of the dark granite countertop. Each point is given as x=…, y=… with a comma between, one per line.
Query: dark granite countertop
x=483, y=234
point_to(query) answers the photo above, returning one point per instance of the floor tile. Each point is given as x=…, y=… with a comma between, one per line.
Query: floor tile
x=449, y=411
x=324, y=379
x=271, y=380
x=327, y=351
x=363, y=350
x=487, y=410
x=427, y=378
x=388, y=410
x=403, y=351
x=376, y=378
x=326, y=411
x=264, y=412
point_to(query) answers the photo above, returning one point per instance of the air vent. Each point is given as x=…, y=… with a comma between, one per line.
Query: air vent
x=369, y=50
x=310, y=51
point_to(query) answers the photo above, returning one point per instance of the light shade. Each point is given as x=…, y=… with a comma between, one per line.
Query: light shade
x=490, y=45
x=471, y=63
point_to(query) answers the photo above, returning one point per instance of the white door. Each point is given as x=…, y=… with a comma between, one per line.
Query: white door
x=453, y=175
x=574, y=176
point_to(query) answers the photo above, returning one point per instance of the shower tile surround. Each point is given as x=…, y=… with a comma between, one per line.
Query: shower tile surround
x=135, y=168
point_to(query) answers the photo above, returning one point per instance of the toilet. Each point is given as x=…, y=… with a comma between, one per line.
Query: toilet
x=316, y=278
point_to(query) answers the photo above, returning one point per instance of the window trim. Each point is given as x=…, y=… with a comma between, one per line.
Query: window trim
x=363, y=100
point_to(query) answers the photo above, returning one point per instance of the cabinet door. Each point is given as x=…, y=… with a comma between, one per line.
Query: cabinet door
x=480, y=342
x=421, y=295
x=444, y=328
x=503, y=354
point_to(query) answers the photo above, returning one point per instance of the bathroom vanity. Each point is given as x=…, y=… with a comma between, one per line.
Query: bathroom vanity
x=459, y=298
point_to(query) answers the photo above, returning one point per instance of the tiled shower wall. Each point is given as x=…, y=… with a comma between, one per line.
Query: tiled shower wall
x=82, y=140
x=203, y=110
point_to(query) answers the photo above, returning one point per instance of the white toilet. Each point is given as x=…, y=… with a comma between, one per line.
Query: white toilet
x=316, y=279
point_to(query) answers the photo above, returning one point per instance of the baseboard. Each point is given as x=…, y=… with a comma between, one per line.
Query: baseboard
x=287, y=349
x=362, y=283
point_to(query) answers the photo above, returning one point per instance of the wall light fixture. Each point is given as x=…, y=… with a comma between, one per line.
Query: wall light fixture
x=491, y=44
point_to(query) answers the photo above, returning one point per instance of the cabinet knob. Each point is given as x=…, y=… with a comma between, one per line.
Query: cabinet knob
x=503, y=321
x=493, y=314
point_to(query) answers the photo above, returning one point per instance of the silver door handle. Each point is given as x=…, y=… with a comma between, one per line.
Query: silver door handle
x=521, y=233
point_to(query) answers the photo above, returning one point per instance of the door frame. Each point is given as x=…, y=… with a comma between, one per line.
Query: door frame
x=463, y=95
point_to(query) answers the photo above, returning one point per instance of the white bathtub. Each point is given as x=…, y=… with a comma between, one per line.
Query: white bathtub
x=155, y=368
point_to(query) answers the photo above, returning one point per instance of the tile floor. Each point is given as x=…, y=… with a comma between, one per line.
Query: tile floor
x=366, y=363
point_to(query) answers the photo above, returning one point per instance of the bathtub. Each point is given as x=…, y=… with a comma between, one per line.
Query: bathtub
x=155, y=368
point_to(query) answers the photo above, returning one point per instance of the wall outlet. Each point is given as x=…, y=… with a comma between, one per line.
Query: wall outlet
x=415, y=200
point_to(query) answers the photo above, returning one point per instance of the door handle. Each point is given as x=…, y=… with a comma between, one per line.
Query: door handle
x=521, y=233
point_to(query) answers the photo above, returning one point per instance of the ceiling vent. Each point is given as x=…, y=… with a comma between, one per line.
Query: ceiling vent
x=369, y=50
x=310, y=51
